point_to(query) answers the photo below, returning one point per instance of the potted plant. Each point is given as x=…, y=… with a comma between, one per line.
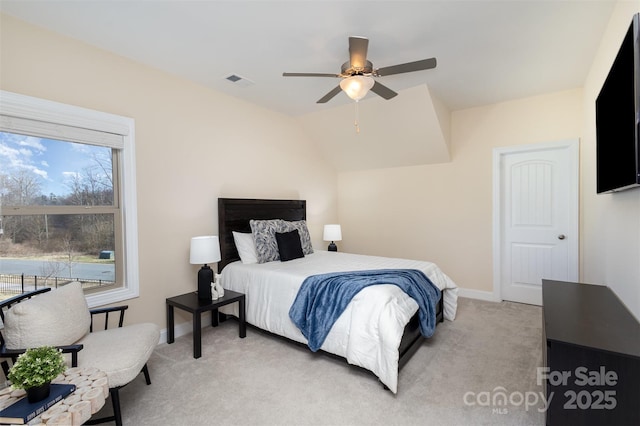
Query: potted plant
x=34, y=370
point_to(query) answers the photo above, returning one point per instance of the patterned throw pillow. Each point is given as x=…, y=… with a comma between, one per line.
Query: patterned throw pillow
x=264, y=236
x=305, y=238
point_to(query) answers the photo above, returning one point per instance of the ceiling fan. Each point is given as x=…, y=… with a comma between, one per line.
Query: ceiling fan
x=357, y=73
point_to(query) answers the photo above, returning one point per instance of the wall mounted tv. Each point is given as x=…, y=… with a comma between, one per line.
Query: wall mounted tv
x=618, y=118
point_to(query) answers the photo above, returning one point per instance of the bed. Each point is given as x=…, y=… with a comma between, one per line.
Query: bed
x=379, y=331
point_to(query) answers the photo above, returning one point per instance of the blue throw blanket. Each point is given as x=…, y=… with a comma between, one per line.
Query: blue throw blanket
x=322, y=299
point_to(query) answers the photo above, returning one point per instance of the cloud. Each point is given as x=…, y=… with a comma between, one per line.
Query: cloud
x=26, y=152
x=56, y=163
x=33, y=142
x=17, y=151
x=80, y=147
x=8, y=152
x=38, y=171
x=70, y=175
x=10, y=158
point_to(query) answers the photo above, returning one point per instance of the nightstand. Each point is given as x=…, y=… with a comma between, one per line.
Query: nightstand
x=189, y=302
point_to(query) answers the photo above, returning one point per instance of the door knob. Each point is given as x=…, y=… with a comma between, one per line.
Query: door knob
x=561, y=237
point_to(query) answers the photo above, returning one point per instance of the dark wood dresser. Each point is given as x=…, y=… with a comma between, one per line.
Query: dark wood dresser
x=591, y=345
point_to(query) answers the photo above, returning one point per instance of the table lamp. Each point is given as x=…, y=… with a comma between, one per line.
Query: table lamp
x=204, y=250
x=332, y=233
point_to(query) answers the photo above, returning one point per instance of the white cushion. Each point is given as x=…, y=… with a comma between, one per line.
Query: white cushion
x=119, y=352
x=246, y=247
x=59, y=317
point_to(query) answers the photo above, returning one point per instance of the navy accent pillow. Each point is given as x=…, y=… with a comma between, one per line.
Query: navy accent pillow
x=289, y=245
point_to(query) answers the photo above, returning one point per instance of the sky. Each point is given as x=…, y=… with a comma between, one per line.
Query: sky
x=54, y=162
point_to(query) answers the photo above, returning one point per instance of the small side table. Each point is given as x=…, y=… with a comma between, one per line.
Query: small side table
x=92, y=387
x=189, y=302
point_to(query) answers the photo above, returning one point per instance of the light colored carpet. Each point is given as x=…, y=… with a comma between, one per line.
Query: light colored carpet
x=265, y=380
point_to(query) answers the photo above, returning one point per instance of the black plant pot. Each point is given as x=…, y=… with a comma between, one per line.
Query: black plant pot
x=38, y=393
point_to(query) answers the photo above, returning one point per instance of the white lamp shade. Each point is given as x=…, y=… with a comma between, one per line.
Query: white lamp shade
x=204, y=250
x=332, y=233
x=356, y=87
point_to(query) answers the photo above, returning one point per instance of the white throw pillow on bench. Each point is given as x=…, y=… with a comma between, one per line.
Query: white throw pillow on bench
x=56, y=318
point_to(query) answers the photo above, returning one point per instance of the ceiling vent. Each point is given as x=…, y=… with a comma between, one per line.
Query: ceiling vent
x=239, y=80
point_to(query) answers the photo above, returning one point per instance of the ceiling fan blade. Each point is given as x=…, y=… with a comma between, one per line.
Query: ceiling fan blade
x=424, y=64
x=329, y=95
x=308, y=74
x=382, y=90
x=358, y=47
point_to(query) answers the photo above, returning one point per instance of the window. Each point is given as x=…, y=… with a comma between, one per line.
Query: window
x=66, y=176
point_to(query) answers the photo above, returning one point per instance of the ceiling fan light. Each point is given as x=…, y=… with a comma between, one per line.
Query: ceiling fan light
x=357, y=86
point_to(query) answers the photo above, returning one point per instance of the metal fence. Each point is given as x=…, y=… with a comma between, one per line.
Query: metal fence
x=12, y=284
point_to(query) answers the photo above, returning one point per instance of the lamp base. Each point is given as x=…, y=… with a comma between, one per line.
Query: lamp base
x=205, y=277
x=332, y=247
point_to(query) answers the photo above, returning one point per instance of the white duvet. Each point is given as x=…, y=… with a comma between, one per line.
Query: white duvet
x=368, y=332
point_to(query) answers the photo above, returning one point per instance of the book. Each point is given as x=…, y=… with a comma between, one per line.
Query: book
x=22, y=411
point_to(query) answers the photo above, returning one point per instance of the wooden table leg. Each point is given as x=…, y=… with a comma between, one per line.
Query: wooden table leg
x=170, y=331
x=242, y=319
x=214, y=317
x=197, y=335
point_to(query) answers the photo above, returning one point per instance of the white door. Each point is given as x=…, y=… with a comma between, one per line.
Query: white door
x=535, y=218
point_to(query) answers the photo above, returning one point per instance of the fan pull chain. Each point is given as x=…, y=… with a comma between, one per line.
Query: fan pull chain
x=356, y=120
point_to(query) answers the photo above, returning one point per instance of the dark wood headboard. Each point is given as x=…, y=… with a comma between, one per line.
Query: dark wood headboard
x=234, y=214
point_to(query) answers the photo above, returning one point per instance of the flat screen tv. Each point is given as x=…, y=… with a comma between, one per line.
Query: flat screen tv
x=618, y=118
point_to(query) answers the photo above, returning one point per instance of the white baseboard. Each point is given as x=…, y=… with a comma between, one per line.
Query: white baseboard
x=477, y=294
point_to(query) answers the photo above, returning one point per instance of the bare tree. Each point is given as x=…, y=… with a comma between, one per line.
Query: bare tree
x=66, y=244
x=22, y=188
x=50, y=270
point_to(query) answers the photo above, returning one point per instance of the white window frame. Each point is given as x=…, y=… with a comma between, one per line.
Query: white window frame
x=16, y=106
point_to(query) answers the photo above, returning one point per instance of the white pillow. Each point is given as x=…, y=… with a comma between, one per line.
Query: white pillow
x=246, y=247
x=58, y=317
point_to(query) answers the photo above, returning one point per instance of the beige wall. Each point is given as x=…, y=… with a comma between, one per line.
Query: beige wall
x=193, y=145
x=443, y=212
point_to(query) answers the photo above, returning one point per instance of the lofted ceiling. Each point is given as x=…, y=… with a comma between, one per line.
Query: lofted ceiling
x=487, y=51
